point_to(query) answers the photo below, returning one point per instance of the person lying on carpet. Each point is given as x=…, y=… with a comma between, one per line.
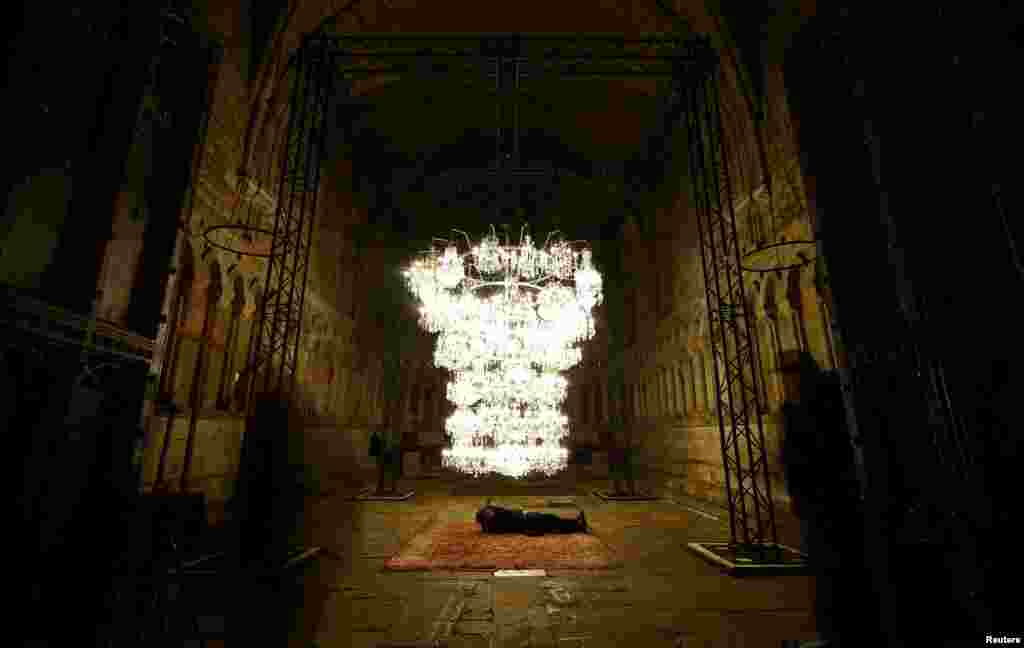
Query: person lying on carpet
x=495, y=519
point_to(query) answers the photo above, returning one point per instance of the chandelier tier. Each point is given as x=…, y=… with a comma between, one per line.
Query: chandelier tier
x=510, y=318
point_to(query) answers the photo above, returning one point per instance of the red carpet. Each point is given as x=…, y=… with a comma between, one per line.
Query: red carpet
x=462, y=545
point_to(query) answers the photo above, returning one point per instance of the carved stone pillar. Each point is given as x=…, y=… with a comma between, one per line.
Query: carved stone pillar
x=689, y=395
x=673, y=384
x=663, y=391
x=180, y=313
x=230, y=351
x=651, y=396
x=667, y=392
x=659, y=391
x=199, y=374
x=775, y=342
x=677, y=406
x=575, y=412
x=701, y=384
x=670, y=408
x=682, y=387
x=709, y=380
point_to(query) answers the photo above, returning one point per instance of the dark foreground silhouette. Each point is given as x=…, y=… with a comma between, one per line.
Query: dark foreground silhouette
x=819, y=465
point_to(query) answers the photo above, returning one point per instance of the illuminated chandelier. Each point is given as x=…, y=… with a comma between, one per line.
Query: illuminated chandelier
x=508, y=440
x=509, y=318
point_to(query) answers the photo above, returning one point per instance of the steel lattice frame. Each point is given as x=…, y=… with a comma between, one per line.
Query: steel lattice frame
x=274, y=347
x=733, y=342
x=690, y=63
x=440, y=56
x=323, y=57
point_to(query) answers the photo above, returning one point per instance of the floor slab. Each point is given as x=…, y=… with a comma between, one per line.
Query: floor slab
x=663, y=595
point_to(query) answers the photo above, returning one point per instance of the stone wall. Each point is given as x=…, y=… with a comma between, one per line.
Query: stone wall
x=670, y=377
x=337, y=392
x=331, y=455
x=215, y=463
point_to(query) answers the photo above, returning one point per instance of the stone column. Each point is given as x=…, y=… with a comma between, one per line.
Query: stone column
x=429, y=408
x=699, y=384
x=709, y=381
x=437, y=416
x=344, y=390
x=213, y=294
x=654, y=389
x=681, y=386
x=182, y=310
x=684, y=384
x=570, y=406
x=659, y=379
x=667, y=390
x=583, y=402
x=690, y=384
x=651, y=395
x=670, y=406
x=680, y=390
x=641, y=399
x=776, y=350
x=648, y=397
x=405, y=419
x=230, y=351
x=673, y=378
x=666, y=397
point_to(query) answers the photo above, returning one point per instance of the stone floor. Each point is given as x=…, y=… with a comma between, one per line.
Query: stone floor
x=664, y=595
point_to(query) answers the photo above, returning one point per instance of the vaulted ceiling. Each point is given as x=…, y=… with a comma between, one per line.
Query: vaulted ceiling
x=418, y=142
x=418, y=147
x=415, y=138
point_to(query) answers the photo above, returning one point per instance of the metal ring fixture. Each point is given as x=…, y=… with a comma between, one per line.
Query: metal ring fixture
x=749, y=259
x=244, y=230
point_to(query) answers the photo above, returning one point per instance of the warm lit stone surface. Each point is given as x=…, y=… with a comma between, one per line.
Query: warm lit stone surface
x=663, y=595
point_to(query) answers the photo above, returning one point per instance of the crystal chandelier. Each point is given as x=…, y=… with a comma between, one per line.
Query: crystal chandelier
x=510, y=318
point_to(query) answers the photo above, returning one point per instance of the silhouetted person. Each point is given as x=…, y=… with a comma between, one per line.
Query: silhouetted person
x=495, y=519
x=821, y=479
x=262, y=506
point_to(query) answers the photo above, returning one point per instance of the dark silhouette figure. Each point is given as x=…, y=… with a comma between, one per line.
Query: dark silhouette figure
x=821, y=478
x=495, y=519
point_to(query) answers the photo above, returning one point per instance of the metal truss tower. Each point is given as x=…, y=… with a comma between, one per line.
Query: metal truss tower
x=324, y=59
x=689, y=62
x=753, y=541
x=273, y=349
